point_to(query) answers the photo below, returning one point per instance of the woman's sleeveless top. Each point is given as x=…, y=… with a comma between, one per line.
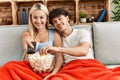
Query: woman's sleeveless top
x=49, y=43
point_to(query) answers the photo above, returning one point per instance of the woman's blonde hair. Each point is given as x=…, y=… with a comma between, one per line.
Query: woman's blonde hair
x=32, y=29
x=37, y=6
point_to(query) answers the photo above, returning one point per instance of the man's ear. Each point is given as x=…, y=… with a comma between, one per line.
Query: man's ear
x=67, y=18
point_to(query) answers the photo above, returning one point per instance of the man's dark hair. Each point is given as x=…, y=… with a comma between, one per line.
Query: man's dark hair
x=56, y=13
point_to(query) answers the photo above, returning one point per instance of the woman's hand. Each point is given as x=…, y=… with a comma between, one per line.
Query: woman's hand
x=26, y=40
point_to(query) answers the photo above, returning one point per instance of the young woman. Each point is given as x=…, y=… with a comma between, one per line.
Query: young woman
x=38, y=32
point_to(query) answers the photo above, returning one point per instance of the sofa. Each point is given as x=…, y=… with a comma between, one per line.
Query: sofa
x=104, y=36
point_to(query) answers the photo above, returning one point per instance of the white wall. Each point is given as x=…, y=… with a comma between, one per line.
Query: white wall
x=111, y=8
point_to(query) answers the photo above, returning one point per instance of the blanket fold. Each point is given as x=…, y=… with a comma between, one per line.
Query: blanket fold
x=18, y=70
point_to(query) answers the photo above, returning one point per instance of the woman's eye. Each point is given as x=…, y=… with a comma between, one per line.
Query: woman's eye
x=35, y=17
x=41, y=17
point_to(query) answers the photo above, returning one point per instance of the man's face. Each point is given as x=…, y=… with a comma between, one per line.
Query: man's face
x=60, y=22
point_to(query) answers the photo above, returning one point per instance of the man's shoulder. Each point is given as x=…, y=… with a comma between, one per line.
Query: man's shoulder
x=79, y=30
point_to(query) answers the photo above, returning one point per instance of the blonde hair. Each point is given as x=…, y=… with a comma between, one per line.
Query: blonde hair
x=37, y=6
x=32, y=29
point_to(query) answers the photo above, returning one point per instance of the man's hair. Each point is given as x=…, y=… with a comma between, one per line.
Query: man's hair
x=56, y=13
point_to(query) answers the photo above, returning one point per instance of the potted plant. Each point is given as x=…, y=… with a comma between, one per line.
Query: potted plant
x=116, y=11
x=83, y=17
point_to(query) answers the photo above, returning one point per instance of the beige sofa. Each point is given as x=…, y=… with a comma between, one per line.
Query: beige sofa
x=104, y=35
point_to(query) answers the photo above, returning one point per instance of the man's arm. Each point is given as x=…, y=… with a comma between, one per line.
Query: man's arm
x=81, y=49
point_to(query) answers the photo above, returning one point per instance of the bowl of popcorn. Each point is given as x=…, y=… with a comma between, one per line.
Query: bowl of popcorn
x=41, y=62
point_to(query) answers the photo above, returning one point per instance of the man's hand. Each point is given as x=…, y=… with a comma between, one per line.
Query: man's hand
x=48, y=49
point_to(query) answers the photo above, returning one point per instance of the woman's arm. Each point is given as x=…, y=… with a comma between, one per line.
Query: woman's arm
x=26, y=40
x=58, y=55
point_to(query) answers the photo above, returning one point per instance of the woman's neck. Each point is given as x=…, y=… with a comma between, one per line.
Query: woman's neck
x=42, y=36
x=42, y=31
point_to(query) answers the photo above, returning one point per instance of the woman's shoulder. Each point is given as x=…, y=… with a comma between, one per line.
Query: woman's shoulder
x=55, y=32
x=57, y=38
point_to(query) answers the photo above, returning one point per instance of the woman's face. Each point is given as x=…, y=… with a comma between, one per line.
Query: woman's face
x=60, y=22
x=39, y=19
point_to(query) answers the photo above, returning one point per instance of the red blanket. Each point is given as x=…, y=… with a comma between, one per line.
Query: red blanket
x=75, y=70
x=19, y=70
x=86, y=70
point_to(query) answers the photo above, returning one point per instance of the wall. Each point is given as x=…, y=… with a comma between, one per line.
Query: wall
x=111, y=8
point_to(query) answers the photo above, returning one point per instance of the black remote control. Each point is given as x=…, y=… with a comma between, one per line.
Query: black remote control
x=32, y=50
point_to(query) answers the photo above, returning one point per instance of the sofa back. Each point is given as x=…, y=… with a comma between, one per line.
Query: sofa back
x=10, y=43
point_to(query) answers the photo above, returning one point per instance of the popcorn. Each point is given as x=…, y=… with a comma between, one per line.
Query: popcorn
x=40, y=62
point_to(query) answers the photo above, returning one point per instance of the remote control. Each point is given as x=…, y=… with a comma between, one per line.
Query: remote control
x=32, y=50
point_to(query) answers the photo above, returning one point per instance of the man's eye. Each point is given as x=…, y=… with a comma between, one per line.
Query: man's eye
x=59, y=18
x=54, y=21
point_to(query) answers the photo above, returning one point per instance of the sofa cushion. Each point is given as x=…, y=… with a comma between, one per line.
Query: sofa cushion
x=112, y=66
x=107, y=42
x=10, y=43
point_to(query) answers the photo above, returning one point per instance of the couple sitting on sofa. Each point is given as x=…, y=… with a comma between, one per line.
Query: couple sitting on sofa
x=76, y=47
